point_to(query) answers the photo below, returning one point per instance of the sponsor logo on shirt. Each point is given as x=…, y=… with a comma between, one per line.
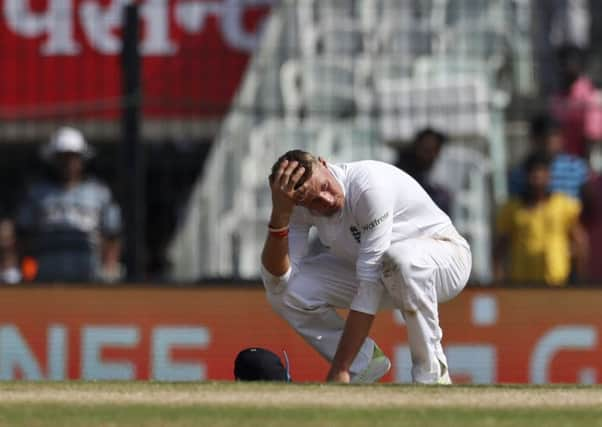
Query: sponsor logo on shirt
x=375, y=223
x=357, y=235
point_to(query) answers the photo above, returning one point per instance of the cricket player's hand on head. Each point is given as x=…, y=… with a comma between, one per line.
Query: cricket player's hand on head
x=283, y=184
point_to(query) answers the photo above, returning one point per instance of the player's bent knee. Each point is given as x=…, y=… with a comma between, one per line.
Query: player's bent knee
x=398, y=268
x=397, y=264
x=300, y=293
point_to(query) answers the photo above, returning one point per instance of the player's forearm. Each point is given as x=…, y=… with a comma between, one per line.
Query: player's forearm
x=275, y=257
x=357, y=328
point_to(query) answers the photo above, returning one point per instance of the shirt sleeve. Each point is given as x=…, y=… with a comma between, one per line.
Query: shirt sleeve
x=274, y=284
x=374, y=215
x=111, y=222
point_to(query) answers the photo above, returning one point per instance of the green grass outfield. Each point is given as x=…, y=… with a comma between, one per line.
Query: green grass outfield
x=251, y=404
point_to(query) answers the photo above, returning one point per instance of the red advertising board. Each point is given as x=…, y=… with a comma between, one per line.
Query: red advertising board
x=490, y=336
x=62, y=56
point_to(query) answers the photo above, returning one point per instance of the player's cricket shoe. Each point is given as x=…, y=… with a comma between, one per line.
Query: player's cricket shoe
x=444, y=377
x=379, y=365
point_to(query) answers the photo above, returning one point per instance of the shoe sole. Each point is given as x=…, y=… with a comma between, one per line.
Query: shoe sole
x=377, y=368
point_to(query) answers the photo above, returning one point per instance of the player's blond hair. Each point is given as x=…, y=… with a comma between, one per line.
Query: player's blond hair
x=305, y=160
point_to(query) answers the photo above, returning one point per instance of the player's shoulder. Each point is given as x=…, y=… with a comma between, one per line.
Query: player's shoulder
x=371, y=176
x=369, y=165
x=372, y=171
x=368, y=174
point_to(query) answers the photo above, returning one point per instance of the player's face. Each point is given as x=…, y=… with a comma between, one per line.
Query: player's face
x=321, y=194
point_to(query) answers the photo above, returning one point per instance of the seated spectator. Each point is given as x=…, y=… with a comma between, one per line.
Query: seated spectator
x=9, y=260
x=568, y=173
x=537, y=230
x=418, y=159
x=69, y=222
x=577, y=106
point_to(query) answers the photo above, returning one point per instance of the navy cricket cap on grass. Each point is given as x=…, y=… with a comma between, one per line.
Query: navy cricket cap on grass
x=259, y=364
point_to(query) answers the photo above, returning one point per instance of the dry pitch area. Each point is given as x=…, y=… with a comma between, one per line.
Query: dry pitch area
x=237, y=404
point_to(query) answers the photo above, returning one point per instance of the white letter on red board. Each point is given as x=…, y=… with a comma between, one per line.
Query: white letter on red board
x=94, y=338
x=166, y=338
x=16, y=354
x=568, y=337
x=57, y=22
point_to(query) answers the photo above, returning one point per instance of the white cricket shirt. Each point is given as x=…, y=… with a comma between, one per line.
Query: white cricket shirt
x=383, y=205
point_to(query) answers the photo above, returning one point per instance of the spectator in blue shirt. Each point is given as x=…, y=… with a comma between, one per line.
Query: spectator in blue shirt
x=69, y=222
x=568, y=173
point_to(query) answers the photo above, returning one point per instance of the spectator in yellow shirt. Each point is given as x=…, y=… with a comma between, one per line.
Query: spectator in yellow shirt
x=538, y=232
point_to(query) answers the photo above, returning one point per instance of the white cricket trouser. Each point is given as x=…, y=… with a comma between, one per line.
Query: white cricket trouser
x=417, y=274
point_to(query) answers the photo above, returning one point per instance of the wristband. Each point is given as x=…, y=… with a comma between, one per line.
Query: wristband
x=278, y=232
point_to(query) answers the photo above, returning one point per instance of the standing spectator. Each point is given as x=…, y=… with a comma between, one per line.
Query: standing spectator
x=9, y=260
x=577, y=105
x=557, y=23
x=568, y=173
x=537, y=230
x=417, y=160
x=69, y=222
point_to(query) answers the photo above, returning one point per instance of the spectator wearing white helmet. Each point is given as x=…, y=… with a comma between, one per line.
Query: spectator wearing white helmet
x=69, y=222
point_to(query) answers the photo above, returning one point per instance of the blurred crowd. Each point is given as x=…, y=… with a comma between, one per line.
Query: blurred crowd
x=67, y=225
x=549, y=230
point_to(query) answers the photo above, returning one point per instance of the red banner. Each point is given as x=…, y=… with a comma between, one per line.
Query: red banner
x=490, y=336
x=62, y=56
